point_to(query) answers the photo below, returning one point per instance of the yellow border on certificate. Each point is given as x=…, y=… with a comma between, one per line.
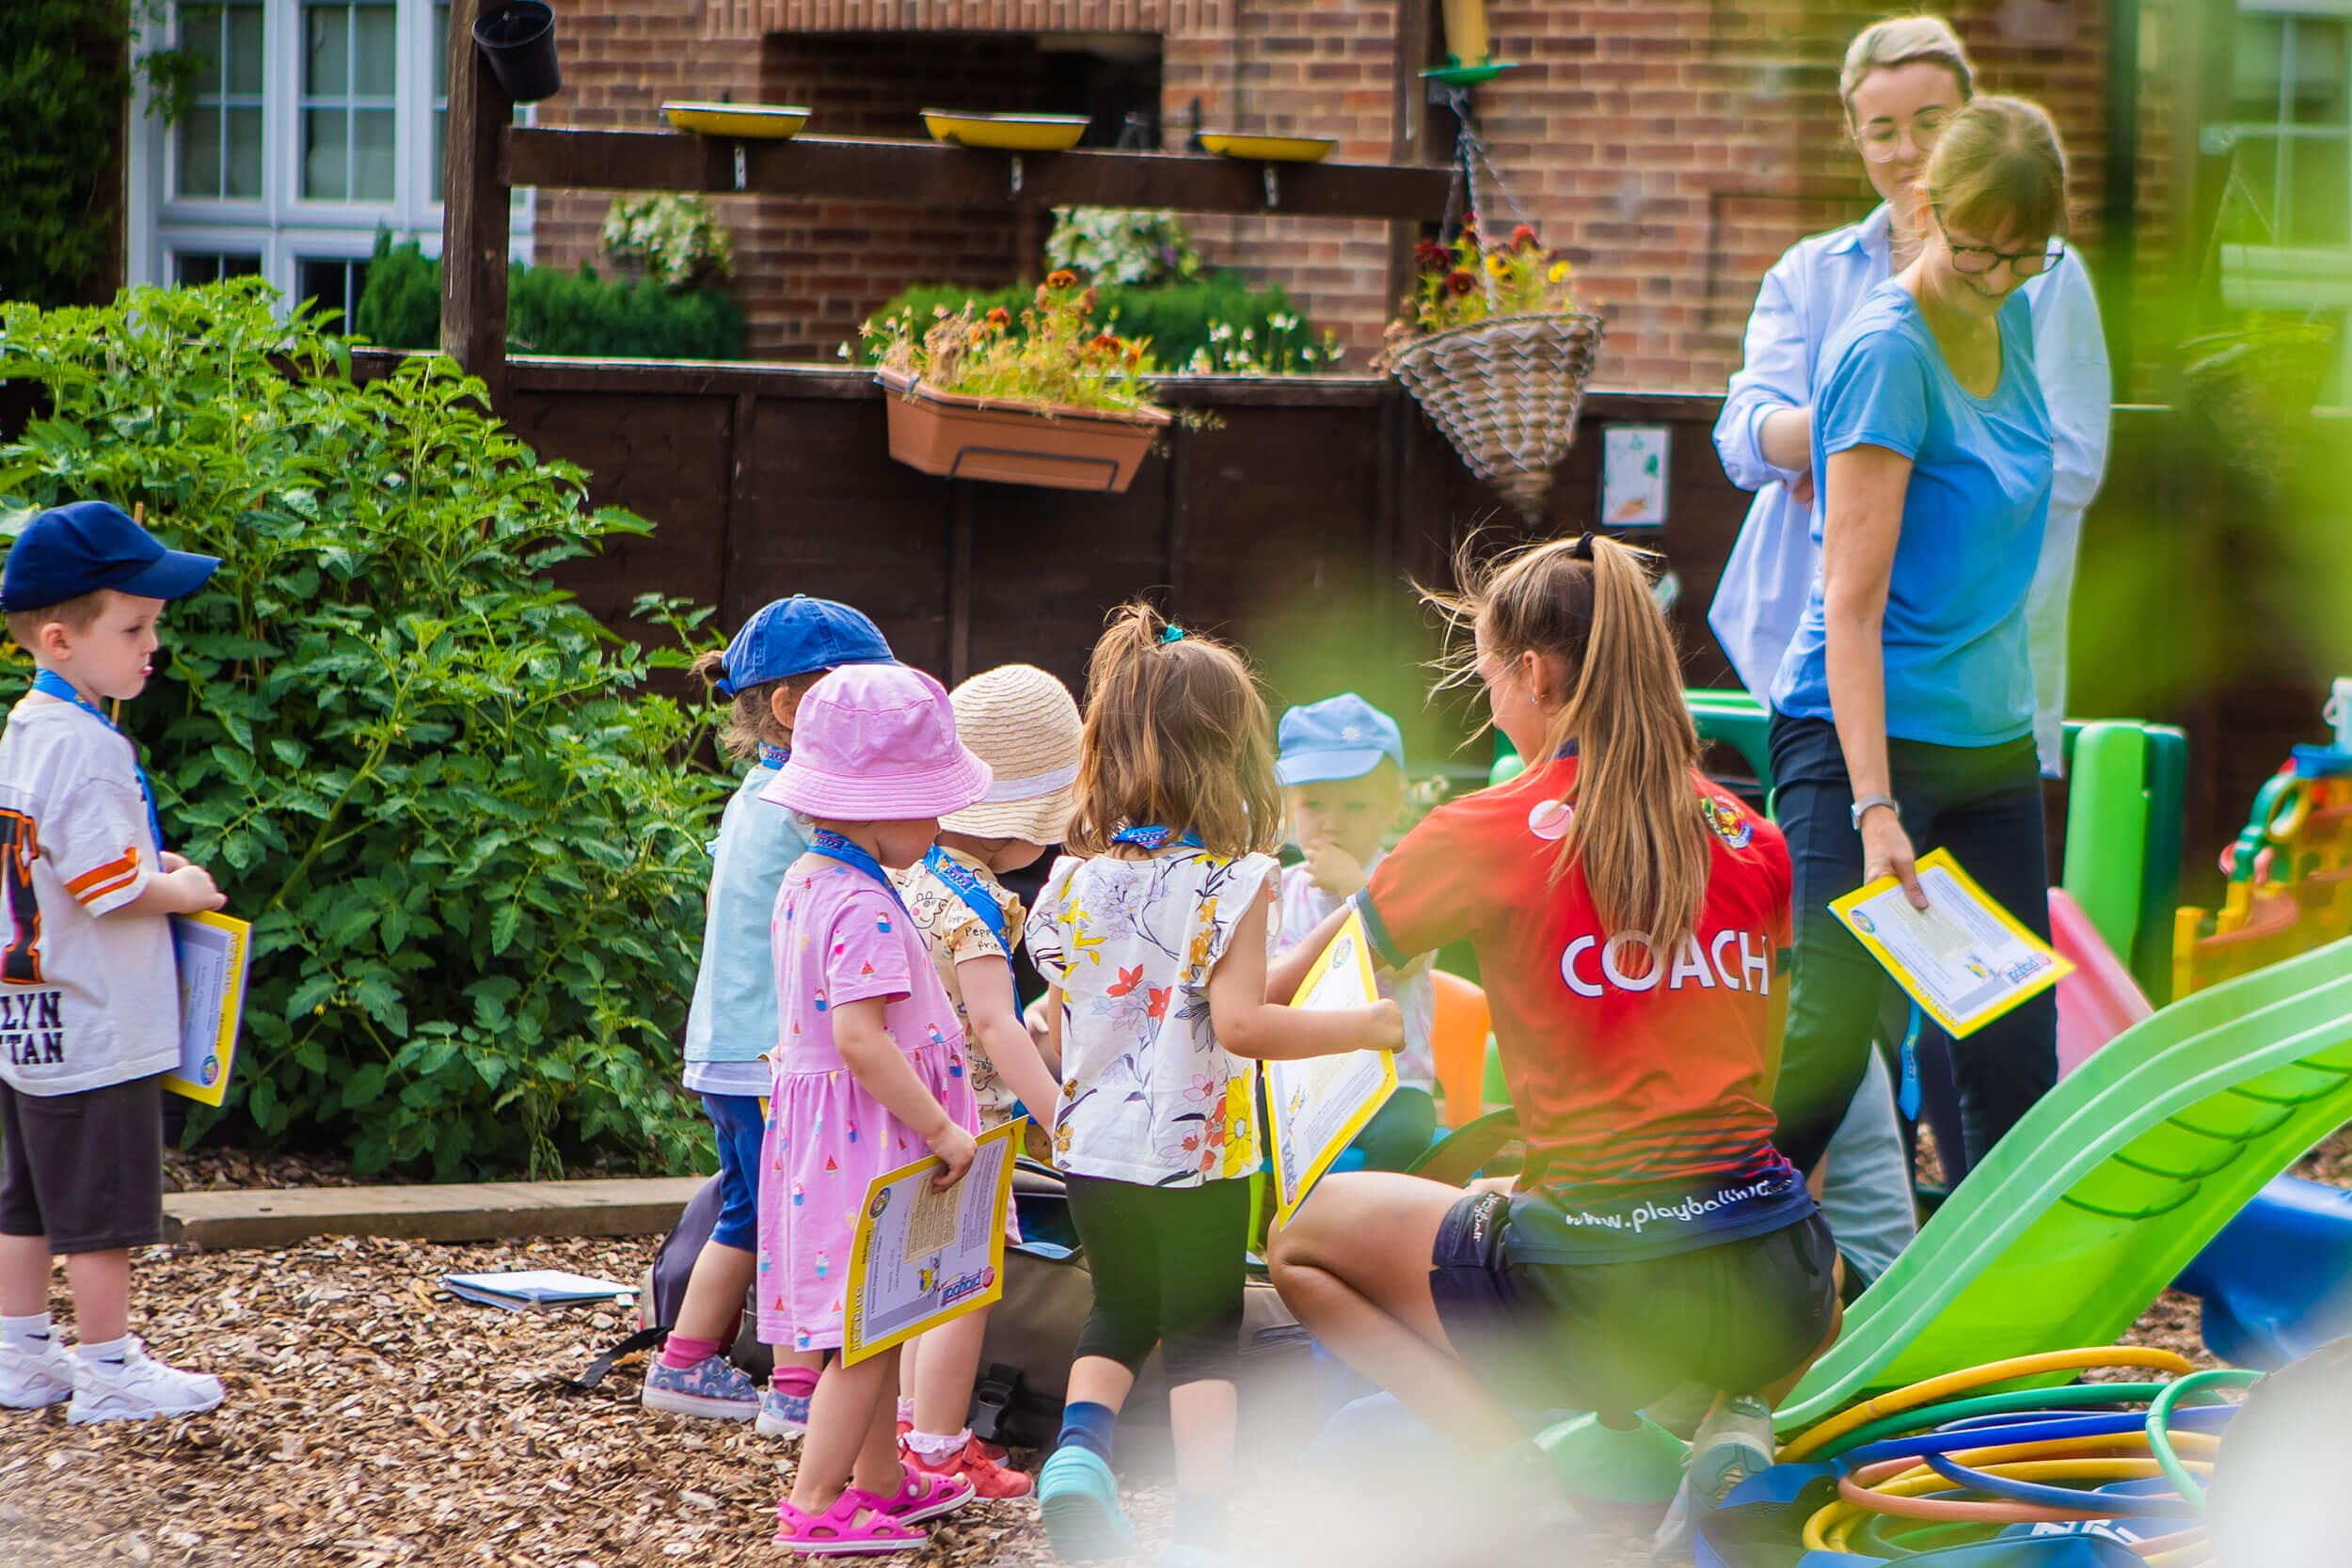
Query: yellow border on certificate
x=1957, y=1028
x=231, y=1006
x=853, y=1347
x=1352, y=927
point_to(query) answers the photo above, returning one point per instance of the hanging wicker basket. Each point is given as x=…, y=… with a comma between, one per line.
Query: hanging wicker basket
x=1506, y=391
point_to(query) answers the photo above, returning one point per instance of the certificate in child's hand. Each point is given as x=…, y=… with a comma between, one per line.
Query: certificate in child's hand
x=211, y=951
x=922, y=1257
x=1964, y=958
x=1315, y=1107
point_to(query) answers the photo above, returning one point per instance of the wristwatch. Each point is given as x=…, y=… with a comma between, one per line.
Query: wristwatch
x=1868, y=801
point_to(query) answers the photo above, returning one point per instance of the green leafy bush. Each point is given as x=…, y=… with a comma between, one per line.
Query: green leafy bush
x=1117, y=245
x=1180, y=320
x=552, y=313
x=470, y=847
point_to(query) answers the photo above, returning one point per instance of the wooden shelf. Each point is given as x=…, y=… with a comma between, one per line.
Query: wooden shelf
x=929, y=175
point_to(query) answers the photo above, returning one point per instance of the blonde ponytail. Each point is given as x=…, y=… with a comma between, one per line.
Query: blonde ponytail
x=1637, y=832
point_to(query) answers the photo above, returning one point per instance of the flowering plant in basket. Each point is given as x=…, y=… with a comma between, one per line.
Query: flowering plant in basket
x=1059, y=359
x=1469, y=280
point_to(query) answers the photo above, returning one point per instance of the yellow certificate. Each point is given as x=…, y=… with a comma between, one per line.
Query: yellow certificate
x=213, y=950
x=1964, y=958
x=1315, y=1107
x=920, y=1257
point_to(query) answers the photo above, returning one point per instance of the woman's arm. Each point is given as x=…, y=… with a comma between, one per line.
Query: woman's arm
x=1752, y=433
x=988, y=1002
x=883, y=1070
x=1863, y=522
x=1248, y=1024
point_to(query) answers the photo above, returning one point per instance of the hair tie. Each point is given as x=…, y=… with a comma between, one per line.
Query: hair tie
x=1582, y=548
x=1173, y=634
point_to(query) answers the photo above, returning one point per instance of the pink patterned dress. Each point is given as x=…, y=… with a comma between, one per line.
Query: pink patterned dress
x=839, y=936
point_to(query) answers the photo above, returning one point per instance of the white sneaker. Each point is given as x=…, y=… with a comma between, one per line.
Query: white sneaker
x=1732, y=1444
x=139, y=1389
x=32, y=1380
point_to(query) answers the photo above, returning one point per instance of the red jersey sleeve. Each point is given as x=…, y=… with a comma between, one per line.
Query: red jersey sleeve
x=1779, y=879
x=1426, y=892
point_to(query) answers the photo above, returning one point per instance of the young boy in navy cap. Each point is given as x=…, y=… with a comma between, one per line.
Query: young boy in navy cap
x=778, y=655
x=89, y=991
x=1341, y=767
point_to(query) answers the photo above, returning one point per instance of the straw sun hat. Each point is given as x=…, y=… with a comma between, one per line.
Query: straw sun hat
x=1023, y=723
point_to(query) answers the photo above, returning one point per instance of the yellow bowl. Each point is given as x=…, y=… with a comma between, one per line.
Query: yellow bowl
x=1006, y=132
x=750, y=122
x=1269, y=150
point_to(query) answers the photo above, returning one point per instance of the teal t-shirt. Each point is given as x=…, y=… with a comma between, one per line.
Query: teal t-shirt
x=733, y=1017
x=1958, y=671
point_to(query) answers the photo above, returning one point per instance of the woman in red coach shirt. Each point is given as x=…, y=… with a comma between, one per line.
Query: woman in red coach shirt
x=1626, y=913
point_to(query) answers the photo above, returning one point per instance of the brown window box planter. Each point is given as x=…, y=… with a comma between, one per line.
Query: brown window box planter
x=1016, y=443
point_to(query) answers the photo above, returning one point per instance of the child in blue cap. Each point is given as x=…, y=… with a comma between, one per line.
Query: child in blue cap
x=89, y=990
x=1341, y=767
x=774, y=660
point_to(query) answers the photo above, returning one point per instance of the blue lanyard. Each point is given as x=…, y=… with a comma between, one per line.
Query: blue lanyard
x=55, y=685
x=967, y=886
x=772, y=755
x=1907, y=1095
x=1155, y=838
x=824, y=841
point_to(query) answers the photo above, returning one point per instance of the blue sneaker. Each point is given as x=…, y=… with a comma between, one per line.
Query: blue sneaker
x=1079, y=1497
x=783, y=1415
x=714, y=1387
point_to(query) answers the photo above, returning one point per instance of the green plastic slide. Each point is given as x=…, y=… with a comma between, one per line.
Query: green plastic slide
x=2102, y=1194
x=2106, y=828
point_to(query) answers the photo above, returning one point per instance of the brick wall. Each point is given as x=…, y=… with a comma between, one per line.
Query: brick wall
x=1674, y=146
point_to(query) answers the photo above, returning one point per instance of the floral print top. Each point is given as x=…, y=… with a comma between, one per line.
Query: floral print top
x=955, y=934
x=1148, y=1095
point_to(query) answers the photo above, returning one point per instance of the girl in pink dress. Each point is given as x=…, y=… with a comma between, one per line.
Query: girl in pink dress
x=870, y=1072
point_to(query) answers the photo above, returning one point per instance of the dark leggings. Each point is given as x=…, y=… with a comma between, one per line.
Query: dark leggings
x=1168, y=1271
x=1984, y=805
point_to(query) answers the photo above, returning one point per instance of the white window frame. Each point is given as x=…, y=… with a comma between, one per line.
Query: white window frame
x=283, y=226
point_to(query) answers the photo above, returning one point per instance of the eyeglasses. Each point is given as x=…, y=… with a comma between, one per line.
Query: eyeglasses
x=1977, y=260
x=1883, y=139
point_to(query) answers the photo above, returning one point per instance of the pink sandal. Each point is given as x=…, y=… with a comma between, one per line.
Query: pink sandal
x=840, y=1532
x=924, y=1496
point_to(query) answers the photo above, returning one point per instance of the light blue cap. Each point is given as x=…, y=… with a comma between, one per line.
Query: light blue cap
x=1339, y=737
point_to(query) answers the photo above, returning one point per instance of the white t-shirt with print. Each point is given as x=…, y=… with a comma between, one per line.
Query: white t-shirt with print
x=85, y=1002
x=1148, y=1095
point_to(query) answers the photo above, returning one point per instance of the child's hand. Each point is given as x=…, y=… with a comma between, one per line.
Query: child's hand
x=1388, y=1027
x=1337, y=873
x=194, y=889
x=172, y=862
x=953, y=1148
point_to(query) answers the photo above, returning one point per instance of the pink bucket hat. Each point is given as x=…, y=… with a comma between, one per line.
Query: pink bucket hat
x=877, y=743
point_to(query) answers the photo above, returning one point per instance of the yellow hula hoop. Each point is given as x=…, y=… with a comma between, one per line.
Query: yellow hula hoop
x=1938, y=1388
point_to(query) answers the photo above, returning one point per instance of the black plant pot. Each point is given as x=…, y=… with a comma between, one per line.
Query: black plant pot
x=518, y=40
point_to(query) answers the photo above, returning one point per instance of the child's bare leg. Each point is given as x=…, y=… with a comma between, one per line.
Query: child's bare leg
x=878, y=1469
x=23, y=1275
x=842, y=1415
x=714, y=1293
x=1203, y=1415
x=1100, y=1379
x=101, y=1295
x=941, y=1381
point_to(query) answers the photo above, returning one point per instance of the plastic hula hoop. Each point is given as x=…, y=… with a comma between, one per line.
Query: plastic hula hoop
x=2125, y=1427
x=1905, y=1495
x=1937, y=1388
x=2082, y=1396
x=2160, y=1425
x=2118, y=1505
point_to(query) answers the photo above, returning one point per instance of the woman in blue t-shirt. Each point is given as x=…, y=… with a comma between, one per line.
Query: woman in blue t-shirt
x=1902, y=715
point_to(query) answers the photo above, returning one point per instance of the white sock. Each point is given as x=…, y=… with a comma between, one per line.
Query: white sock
x=933, y=1447
x=31, y=1334
x=117, y=1350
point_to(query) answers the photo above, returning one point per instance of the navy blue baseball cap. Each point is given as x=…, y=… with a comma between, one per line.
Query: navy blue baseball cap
x=71, y=550
x=796, y=637
x=1339, y=737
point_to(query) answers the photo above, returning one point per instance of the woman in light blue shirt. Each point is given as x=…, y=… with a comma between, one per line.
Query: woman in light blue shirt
x=1904, y=704
x=1904, y=81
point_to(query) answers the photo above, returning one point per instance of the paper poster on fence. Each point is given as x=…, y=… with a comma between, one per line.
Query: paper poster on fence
x=1315, y=1107
x=923, y=1258
x=1964, y=958
x=213, y=950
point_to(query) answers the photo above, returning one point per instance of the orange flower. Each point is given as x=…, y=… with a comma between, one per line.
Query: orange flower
x=1135, y=356
x=1523, y=238
x=1000, y=318
x=1061, y=278
x=1459, y=281
x=1103, y=343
